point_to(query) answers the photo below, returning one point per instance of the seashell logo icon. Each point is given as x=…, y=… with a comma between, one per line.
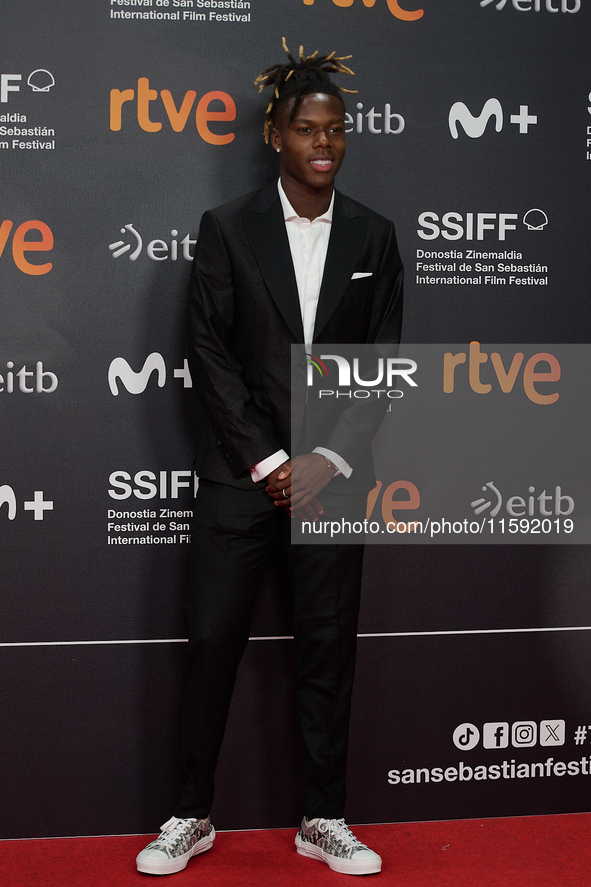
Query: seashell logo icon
x=41, y=80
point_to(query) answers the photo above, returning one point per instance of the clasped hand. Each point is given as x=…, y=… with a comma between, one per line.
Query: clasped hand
x=295, y=485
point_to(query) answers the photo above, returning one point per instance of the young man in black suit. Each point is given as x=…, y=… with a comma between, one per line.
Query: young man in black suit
x=297, y=262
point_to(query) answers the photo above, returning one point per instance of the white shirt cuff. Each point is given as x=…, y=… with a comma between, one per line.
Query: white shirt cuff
x=344, y=467
x=263, y=469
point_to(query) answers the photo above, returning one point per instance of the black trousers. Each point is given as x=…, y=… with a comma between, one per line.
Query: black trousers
x=235, y=534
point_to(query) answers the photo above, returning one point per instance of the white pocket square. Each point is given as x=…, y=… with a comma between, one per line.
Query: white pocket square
x=359, y=274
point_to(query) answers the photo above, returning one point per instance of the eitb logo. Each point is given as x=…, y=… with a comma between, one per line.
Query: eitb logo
x=534, y=5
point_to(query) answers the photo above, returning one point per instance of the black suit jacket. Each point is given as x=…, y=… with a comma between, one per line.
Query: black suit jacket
x=244, y=314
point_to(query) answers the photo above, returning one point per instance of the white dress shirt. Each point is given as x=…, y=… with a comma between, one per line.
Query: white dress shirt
x=308, y=243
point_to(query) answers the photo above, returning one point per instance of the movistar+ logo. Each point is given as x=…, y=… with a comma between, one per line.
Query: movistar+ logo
x=136, y=382
x=475, y=125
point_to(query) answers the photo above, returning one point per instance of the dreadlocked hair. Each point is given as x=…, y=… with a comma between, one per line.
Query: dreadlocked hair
x=295, y=79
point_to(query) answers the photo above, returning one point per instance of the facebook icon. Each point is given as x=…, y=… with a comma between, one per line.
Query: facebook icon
x=495, y=734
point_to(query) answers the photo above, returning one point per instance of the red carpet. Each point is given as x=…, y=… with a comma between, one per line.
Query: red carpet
x=540, y=851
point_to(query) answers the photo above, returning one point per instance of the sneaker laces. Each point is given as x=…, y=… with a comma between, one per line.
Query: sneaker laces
x=175, y=830
x=341, y=834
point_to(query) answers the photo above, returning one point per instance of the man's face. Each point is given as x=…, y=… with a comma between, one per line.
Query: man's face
x=313, y=145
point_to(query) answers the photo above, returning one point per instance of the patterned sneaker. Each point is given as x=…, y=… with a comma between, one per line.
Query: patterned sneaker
x=180, y=840
x=331, y=841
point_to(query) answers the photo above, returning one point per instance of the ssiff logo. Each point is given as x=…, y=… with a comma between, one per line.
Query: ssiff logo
x=405, y=15
x=39, y=80
x=149, y=485
x=476, y=225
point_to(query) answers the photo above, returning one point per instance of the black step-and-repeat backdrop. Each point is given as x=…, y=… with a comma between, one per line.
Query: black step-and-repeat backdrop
x=121, y=121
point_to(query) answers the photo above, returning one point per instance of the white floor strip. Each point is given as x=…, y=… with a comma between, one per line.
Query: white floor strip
x=288, y=637
x=411, y=634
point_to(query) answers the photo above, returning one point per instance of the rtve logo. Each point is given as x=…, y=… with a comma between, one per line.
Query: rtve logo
x=523, y=734
x=157, y=250
x=405, y=15
x=177, y=117
x=38, y=505
x=475, y=126
x=505, y=376
x=402, y=495
x=136, y=383
x=536, y=5
x=22, y=246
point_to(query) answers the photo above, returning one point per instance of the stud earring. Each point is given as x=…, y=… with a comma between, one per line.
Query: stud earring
x=278, y=150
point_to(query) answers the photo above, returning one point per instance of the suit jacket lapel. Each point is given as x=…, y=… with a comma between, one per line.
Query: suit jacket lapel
x=344, y=248
x=265, y=229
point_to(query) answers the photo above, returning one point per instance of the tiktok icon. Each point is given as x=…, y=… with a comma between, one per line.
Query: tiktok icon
x=466, y=736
